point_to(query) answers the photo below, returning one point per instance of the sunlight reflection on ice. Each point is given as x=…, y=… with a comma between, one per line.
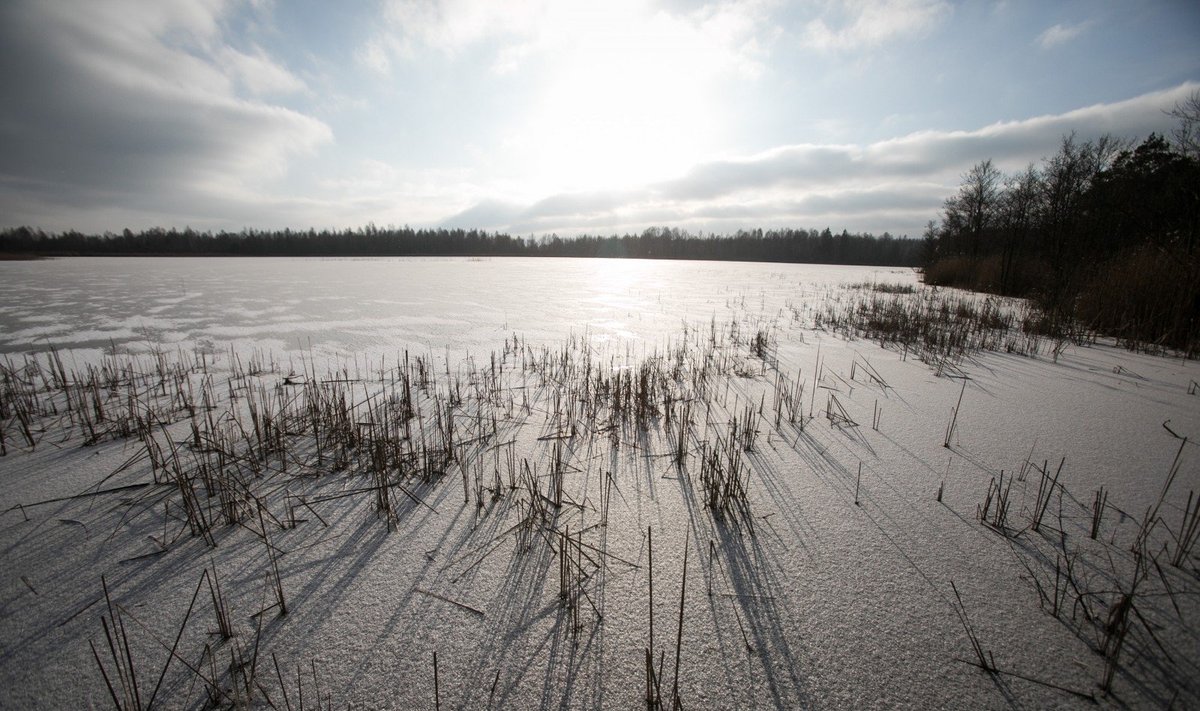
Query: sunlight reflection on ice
x=387, y=305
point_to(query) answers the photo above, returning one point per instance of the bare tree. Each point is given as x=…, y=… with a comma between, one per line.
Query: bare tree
x=1187, y=133
x=1019, y=206
x=978, y=201
x=1066, y=179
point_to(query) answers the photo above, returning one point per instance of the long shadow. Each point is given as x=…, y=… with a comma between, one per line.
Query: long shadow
x=755, y=604
x=758, y=593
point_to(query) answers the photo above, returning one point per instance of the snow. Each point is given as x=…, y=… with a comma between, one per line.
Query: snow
x=840, y=598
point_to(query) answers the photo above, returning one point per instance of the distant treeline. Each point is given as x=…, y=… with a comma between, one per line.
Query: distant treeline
x=786, y=245
x=1103, y=236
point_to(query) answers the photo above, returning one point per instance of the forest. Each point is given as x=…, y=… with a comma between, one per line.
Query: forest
x=1102, y=236
x=786, y=245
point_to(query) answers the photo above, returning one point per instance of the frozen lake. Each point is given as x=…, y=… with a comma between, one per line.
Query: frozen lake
x=347, y=306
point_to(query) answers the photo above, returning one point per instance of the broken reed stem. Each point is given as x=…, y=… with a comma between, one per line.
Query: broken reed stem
x=954, y=416
x=653, y=694
x=282, y=686
x=650, y=567
x=679, y=635
x=1189, y=530
x=117, y=639
x=222, y=611
x=857, y=482
x=1151, y=520
x=1098, y=504
x=437, y=694
x=118, y=649
x=985, y=661
x=178, y=636
x=278, y=586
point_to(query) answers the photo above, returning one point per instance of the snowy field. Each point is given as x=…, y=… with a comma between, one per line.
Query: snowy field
x=274, y=483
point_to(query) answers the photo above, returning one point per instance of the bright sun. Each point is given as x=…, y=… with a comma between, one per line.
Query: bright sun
x=626, y=106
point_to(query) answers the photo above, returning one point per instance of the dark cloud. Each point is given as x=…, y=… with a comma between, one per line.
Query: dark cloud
x=789, y=165
x=126, y=119
x=486, y=214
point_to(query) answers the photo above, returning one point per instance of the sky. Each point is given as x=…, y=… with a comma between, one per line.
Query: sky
x=539, y=117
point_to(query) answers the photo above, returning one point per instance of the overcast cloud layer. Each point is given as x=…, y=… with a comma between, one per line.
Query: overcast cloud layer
x=539, y=117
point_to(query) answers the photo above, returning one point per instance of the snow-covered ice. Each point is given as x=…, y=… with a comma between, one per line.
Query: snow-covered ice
x=827, y=585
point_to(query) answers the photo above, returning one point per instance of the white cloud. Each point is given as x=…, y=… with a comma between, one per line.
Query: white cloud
x=894, y=185
x=732, y=33
x=862, y=24
x=258, y=73
x=1060, y=34
x=374, y=56
x=451, y=25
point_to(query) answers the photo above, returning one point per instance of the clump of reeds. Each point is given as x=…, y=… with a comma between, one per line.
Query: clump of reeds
x=891, y=288
x=760, y=344
x=993, y=512
x=724, y=479
x=1121, y=614
x=789, y=399
x=940, y=327
x=1046, y=486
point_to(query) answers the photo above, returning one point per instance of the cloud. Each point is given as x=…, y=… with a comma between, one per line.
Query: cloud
x=127, y=103
x=731, y=34
x=894, y=185
x=735, y=34
x=859, y=24
x=451, y=25
x=374, y=56
x=258, y=73
x=489, y=212
x=1060, y=34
